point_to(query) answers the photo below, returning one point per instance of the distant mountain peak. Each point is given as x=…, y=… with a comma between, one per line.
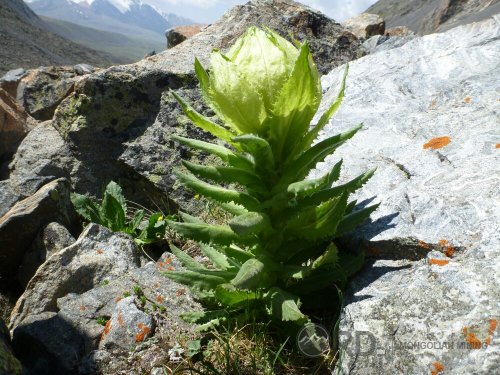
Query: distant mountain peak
x=128, y=17
x=122, y=5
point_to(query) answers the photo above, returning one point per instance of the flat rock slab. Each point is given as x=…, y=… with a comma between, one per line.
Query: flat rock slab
x=431, y=115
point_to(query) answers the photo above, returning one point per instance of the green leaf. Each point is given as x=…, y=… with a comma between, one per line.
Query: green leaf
x=189, y=218
x=218, y=193
x=325, y=118
x=113, y=212
x=237, y=254
x=202, y=122
x=227, y=175
x=136, y=221
x=223, y=153
x=114, y=190
x=308, y=187
x=86, y=208
x=295, y=106
x=154, y=230
x=351, y=221
x=259, y=148
x=330, y=256
x=206, y=233
x=318, y=222
x=229, y=295
x=299, y=167
x=219, y=259
x=252, y=274
x=283, y=306
x=336, y=191
x=188, y=262
x=250, y=223
x=207, y=280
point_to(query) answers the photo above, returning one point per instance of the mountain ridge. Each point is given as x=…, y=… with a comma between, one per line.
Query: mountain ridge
x=128, y=17
x=25, y=41
x=430, y=16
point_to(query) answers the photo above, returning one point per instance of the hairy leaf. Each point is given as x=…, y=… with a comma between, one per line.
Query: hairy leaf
x=218, y=193
x=284, y=306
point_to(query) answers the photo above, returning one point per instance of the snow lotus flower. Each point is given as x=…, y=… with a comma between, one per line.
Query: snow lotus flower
x=275, y=252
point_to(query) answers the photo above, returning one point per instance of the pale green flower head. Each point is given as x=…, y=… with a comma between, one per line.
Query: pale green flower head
x=264, y=86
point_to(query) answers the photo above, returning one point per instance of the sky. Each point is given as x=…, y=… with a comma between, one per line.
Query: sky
x=207, y=11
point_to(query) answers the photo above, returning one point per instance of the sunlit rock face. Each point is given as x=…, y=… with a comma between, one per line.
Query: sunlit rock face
x=429, y=296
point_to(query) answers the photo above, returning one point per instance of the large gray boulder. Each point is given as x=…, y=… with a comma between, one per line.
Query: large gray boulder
x=116, y=123
x=431, y=126
x=96, y=256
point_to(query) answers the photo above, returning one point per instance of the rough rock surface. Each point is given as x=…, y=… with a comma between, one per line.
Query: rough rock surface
x=379, y=43
x=46, y=344
x=179, y=34
x=366, y=25
x=41, y=90
x=9, y=364
x=430, y=296
x=127, y=326
x=20, y=225
x=50, y=240
x=429, y=16
x=42, y=157
x=79, y=325
x=97, y=255
x=9, y=80
x=15, y=123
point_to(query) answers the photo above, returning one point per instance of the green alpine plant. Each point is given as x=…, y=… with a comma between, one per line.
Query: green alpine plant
x=275, y=256
x=112, y=213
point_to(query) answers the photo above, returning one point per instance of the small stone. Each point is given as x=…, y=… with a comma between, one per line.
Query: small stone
x=366, y=25
x=127, y=327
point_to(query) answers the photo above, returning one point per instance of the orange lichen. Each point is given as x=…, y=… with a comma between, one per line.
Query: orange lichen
x=497, y=145
x=472, y=340
x=107, y=329
x=120, y=319
x=180, y=292
x=491, y=330
x=159, y=299
x=439, y=262
x=99, y=251
x=170, y=268
x=424, y=245
x=467, y=99
x=493, y=326
x=168, y=261
x=118, y=299
x=447, y=248
x=143, y=331
x=437, y=368
x=83, y=308
x=436, y=143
